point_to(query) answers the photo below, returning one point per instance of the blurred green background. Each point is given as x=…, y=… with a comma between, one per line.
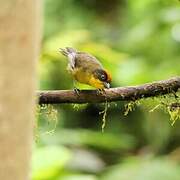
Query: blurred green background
x=138, y=41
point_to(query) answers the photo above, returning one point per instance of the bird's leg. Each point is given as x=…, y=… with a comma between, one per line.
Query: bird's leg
x=75, y=89
x=100, y=91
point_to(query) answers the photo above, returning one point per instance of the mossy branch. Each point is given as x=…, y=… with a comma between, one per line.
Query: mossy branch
x=131, y=93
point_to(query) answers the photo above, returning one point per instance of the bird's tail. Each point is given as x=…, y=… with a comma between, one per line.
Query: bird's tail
x=67, y=51
x=70, y=53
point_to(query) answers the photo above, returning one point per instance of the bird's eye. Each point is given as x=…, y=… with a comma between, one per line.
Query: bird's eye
x=103, y=77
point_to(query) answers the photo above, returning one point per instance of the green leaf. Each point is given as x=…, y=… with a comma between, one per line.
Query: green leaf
x=48, y=161
x=144, y=169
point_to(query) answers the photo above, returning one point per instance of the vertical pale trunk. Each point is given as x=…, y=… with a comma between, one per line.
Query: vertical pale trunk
x=19, y=46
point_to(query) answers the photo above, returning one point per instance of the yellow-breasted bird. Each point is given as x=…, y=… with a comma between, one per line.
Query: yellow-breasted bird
x=86, y=69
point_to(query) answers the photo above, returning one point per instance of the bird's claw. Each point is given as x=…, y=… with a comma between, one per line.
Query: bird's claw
x=100, y=91
x=77, y=91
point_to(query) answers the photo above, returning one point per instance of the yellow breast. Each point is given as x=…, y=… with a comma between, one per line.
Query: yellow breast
x=86, y=77
x=81, y=76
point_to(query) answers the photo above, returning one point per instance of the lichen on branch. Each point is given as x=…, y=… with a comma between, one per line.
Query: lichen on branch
x=130, y=93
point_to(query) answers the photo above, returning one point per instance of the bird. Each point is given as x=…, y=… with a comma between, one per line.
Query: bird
x=86, y=69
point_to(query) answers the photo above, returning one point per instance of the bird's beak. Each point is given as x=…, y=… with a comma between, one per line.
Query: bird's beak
x=106, y=85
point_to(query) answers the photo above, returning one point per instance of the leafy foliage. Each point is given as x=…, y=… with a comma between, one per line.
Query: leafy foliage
x=137, y=41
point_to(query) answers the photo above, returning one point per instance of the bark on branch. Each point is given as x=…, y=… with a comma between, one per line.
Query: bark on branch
x=113, y=94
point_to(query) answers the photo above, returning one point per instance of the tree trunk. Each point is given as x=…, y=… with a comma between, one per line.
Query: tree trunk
x=19, y=46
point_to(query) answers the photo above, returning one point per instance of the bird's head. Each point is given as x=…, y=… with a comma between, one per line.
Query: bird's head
x=101, y=79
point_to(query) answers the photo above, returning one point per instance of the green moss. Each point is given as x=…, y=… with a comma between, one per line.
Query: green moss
x=78, y=107
x=131, y=106
x=171, y=104
x=104, y=112
x=50, y=113
x=174, y=112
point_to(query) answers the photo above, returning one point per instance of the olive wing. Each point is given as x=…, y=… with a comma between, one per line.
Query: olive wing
x=87, y=61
